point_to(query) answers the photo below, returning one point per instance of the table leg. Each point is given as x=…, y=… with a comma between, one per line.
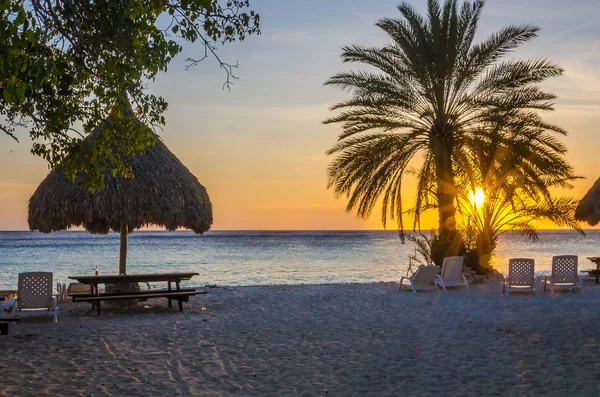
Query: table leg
x=98, y=294
x=169, y=298
x=3, y=328
x=92, y=293
x=179, y=297
x=597, y=270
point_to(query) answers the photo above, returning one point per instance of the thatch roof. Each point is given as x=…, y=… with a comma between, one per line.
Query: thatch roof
x=588, y=209
x=163, y=192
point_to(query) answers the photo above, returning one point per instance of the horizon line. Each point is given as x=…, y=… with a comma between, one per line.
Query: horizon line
x=264, y=230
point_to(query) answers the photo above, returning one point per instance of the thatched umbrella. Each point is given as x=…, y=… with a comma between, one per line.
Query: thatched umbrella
x=588, y=209
x=163, y=192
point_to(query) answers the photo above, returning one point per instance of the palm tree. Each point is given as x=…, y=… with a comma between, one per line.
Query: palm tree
x=516, y=175
x=428, y=93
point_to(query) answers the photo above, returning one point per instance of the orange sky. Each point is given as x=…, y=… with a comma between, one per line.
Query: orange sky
x=259, y=148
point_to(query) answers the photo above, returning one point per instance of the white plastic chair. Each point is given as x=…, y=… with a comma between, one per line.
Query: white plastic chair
x=452, y=273
x=421, y=279
x=35, y=293
x=564, y=274
x=521, y=276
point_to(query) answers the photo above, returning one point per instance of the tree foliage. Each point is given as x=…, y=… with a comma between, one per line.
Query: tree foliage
x=66, y=64
x=427, y=96
x=517, y=173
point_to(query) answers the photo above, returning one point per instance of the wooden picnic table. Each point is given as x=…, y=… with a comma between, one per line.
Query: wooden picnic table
x=595, y=273
x=95, y=296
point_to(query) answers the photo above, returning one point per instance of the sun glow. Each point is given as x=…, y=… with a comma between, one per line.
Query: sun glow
x=477, y=197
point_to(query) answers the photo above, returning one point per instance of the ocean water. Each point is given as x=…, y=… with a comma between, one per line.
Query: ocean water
x=256, y=258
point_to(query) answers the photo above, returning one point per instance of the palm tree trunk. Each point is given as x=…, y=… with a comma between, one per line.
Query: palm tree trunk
x=485, y=248
x=446, y=195
x=486, y=243
x=446, y=191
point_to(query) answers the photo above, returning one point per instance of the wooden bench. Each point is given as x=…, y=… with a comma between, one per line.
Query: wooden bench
x=181, y=296
x=5, y=322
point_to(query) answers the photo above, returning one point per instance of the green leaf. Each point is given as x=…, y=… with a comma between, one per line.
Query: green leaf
x=8, y=95
x=21, y=17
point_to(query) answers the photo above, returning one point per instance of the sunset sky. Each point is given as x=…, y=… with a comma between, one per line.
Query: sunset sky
x=259, y=148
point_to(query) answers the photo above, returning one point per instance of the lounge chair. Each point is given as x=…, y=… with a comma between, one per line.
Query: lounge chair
x=35, y=293
x=564, y=274
x=421, y=279
x=521, y=276
x=452, y=273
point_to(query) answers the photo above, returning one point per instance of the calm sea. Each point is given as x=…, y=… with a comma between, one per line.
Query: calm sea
x=255, y=258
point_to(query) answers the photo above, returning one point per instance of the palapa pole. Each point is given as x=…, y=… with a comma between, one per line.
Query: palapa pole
x=123, y=251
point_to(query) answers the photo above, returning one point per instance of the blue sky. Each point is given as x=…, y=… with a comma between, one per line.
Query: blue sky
x=259, y=148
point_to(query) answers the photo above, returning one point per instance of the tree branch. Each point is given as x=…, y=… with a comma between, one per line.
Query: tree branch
x=9, y=133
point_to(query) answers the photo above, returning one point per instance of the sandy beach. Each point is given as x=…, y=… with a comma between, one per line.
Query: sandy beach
x=315, y=340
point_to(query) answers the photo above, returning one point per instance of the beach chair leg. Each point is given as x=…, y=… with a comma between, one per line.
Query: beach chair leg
x=401, y=281
x=412, y=285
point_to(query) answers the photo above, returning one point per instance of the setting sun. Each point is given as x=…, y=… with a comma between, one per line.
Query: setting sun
x=477, y=198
